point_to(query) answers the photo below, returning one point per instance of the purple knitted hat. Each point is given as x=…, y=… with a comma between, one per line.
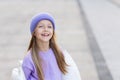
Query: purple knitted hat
x=37, y=18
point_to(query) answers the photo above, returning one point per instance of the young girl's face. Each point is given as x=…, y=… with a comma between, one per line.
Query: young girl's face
x=44, y=31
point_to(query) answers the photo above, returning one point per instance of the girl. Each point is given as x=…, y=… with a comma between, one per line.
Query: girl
x=45, y=60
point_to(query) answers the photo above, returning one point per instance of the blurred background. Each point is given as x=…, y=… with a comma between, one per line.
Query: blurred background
x=88, y=29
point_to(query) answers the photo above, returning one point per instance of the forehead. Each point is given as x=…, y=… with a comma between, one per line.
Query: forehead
x=45, y=22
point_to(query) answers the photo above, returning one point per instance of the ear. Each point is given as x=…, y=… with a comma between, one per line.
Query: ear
x=34, y=34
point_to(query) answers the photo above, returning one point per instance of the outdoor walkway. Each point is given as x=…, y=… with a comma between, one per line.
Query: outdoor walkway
x=88, y=29
x=103, y=17
x=15, y=18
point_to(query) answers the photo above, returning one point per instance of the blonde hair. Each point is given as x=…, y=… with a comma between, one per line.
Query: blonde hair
x=37, y=60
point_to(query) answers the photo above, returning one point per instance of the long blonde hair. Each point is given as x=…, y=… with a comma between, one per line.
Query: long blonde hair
x=37, y=60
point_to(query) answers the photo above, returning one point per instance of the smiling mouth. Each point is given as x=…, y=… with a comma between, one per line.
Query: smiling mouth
x=45, y=35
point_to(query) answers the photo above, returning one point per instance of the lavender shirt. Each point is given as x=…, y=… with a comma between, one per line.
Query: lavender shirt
x=49, y=65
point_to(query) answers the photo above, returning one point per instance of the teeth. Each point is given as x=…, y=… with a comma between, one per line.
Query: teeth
x=45, y=34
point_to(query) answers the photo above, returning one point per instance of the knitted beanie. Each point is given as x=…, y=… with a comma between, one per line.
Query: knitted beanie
x=37, y=18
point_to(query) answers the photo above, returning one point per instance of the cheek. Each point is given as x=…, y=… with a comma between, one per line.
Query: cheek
x=37, y=33
x=51, y=31
x=52, y=34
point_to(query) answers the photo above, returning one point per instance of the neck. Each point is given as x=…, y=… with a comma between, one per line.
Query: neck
x=43, y=46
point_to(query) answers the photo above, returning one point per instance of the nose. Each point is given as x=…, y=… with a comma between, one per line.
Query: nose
x=45, y=28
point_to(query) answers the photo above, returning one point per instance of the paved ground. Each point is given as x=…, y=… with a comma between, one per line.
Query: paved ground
x=116, y=2
x=103, y=17
x=15, y=16
x=88, y=29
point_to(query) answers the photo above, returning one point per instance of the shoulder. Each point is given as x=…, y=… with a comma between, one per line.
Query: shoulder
x=27, y=61
x=65, y=52
x=73, y=71
x=27, y=57
x=67, y=56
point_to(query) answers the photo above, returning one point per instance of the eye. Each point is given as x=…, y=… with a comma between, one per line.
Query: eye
x=49, y=26
x=40, y=26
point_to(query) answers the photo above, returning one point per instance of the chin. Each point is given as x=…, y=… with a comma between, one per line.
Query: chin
x=45, y=40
